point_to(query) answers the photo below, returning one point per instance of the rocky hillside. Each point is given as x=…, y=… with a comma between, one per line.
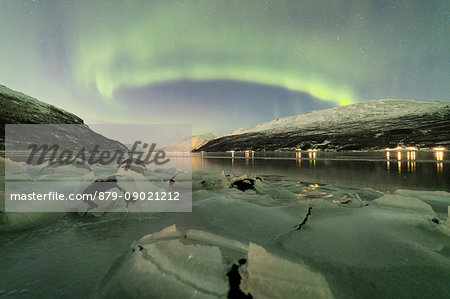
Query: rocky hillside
x=18, y=108
x=370, y=125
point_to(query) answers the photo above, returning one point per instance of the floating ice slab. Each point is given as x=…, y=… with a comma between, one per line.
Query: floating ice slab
x=63, y=168
x=268, y=276
x=170, y=264
x=448, y=216
x=209, y=180
x=22, y=221
x=12, y=167
x=165, y=265
x=403, y=202
x=439, y=200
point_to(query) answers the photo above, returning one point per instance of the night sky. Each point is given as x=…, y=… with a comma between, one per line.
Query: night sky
x=221, y=65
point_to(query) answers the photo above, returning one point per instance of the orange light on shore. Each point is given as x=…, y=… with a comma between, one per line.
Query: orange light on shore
x=439, y=149
x=399, y=148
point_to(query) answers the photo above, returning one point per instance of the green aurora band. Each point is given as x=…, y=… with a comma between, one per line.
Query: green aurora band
x=338, y=51
x=277, y=43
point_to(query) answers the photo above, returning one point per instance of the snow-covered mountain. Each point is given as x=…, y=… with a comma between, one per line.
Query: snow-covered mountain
x=190, y=143
x=18, y=108
x=367, y=125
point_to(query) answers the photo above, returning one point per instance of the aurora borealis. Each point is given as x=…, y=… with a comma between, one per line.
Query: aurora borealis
x=222, y=64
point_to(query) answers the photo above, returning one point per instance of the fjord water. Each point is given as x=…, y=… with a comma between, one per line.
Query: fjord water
x=70, y=256
x=381, y=170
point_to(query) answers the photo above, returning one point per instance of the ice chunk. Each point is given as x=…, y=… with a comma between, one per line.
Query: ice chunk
x=19, y=177
x=252, y=196
x=134, y=165
x=12, y=167
x=369, y=193
x=408, y=203
x=268, y=276
x=169, y=232
x=209, y=180
x=202, y=236
x=165, y=265
x=439, y=200
x=22, y=221
x=162, y=174
x=448, y=216
x=169, y=264
x=243, y=216
x=67, y=168
x=276, y=191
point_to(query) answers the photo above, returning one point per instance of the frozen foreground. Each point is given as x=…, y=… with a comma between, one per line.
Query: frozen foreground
x=261, y=236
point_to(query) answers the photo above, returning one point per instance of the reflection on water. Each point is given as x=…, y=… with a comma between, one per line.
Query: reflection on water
x=388, y=162
x=439, y=160
x=411, y=160
x=249, y=156
x=410, y=169
x=390, y=170
x=298, y=158
x=312, y=157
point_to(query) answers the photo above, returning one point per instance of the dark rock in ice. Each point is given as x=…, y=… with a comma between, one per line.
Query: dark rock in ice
x=140, y=248
x=245, y=184
x=171, y=182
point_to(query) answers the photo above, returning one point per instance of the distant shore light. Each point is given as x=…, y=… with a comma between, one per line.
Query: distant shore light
x=399, y=148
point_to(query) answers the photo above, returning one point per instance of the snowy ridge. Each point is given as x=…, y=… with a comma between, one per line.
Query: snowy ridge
x=365, y=111
x=371, y=125
x=19, y=108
